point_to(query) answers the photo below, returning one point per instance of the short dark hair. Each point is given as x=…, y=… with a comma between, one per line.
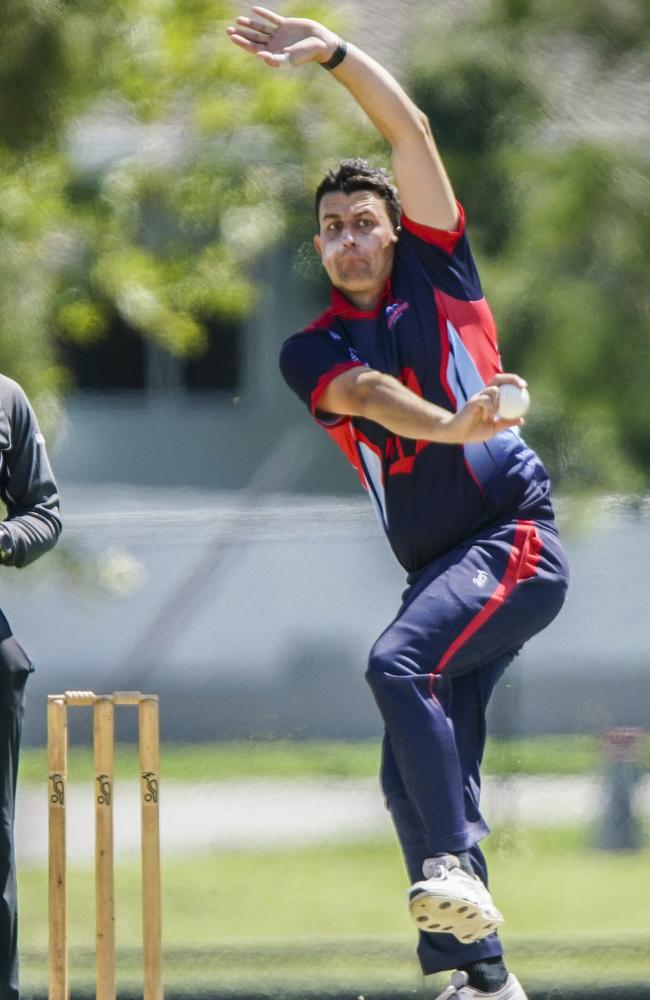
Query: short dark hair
x=358, y=175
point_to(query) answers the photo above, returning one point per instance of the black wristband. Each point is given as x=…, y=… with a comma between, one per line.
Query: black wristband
x=339, y=55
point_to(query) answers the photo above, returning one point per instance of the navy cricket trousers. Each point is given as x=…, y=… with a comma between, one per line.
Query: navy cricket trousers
x=15, y=668
x=463, y=619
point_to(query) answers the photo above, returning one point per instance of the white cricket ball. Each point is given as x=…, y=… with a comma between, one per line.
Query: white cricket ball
x=513, y=401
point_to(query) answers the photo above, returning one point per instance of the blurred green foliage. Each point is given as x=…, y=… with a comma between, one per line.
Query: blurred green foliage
x=560, y=221
x=145, y=164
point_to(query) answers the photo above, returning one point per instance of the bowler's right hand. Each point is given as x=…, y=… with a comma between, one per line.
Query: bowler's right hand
x=478, y=420
x=283, y=41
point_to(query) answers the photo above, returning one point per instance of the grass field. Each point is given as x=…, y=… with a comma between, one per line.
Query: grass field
x=336, y=914
x=215, y=761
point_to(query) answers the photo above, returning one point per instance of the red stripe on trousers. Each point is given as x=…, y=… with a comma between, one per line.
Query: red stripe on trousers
x=522, y=564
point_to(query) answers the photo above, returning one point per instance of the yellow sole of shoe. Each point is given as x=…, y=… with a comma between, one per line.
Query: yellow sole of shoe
x=441, y=914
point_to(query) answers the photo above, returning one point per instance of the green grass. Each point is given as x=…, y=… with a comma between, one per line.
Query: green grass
x=336, y=914
x=283, y=759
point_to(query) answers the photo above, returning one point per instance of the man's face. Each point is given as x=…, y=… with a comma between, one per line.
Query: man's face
x=356, y=242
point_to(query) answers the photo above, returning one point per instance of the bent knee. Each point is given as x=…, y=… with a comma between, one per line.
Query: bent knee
x=385, y=663
x=377, y=668
x=550, y=595
x=389, y=663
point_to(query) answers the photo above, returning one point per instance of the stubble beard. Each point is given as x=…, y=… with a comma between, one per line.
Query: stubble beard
x=351, y=272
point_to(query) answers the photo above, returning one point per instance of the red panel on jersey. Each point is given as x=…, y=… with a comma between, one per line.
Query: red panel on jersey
x=341, y=435
x=475, y=325
x=341, y=306
x=446, y=239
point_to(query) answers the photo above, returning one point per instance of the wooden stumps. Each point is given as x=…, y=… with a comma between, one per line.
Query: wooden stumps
x=104, y=751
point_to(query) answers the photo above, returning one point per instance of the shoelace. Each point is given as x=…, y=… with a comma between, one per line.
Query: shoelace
x=439, y=867
x=458, y=980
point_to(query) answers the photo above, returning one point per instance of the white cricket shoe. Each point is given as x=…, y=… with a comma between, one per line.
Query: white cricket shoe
x=449, y=901
x=459, y=990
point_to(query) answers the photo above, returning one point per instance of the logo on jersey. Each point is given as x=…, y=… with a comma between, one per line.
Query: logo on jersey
x=480, y=579
x=395, y=311
x=334, y=335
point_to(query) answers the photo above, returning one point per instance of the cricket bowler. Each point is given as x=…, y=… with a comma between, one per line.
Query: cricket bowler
x=403, y=371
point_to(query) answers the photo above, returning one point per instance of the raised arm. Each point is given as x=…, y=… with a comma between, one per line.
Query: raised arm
x=424, y=188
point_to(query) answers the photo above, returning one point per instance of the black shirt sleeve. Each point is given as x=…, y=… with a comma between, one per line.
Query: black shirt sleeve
x=27, y=484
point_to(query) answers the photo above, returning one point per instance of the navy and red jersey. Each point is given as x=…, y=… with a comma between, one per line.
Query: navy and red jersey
x=432, y=330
